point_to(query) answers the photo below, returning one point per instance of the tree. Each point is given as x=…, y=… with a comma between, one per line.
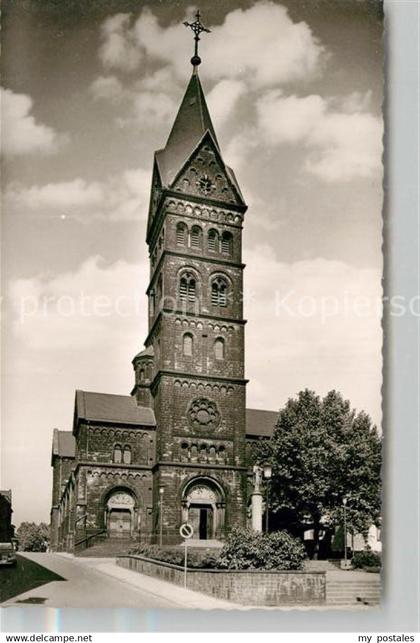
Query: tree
x=321, y=452
x=33, y=537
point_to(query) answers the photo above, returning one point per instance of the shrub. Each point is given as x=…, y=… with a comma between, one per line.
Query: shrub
x=245, y=549
x=366, y=559
x=175, y=556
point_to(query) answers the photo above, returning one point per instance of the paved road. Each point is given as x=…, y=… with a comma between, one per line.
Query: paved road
x=99, y=583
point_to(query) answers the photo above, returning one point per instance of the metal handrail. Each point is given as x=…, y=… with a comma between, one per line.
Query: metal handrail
x=88, y=538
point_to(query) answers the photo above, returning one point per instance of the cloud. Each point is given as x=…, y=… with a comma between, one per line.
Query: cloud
x=223, y=99
x=143, y=104
x=342, y=145
x=153, y=108
x=314, y=323
x=92, y=307
x=261, y=45
x=264, y=46
x=288, y=119
x=71, y=194
x=123, y=197
x=119, y=48
x=21, y=134
x=107, y=87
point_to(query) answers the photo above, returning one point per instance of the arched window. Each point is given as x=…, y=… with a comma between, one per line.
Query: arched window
x=227, y=240
x=219, y=292
x=117, y=457
x=213, y=241
x=141, y=374
x=212, y=454
x=187, y=345
x=196, y=237
x=187, y=287
x=184, y=450
x=159, y=290
x=181, y=234
x=127, y=454
x=219, y=348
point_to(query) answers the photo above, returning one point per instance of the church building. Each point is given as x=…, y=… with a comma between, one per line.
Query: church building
x=176, y=450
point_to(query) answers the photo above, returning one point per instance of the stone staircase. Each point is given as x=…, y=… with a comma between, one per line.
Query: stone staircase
x=109, y=548
x=320, y=566
x=353, y=588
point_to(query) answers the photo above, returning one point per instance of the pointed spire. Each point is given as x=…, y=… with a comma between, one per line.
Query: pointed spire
x=191, y=123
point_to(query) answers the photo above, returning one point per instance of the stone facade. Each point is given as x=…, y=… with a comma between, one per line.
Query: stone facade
x=175, y=450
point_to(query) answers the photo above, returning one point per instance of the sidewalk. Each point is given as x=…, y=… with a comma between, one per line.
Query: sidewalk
x=186, y=598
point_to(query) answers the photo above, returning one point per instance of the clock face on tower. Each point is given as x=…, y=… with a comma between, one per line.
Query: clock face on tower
x=205, y=184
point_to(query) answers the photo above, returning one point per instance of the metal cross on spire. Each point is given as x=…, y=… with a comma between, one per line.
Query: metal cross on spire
x=197, y=27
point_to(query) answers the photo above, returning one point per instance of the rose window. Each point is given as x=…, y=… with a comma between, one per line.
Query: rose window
x=203, y=414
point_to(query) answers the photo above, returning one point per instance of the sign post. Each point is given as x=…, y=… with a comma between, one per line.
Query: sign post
x=186, y=532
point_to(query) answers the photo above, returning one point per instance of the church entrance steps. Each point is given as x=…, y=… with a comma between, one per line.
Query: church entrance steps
x=319, y=566
x=109, y=548
x=353, y=588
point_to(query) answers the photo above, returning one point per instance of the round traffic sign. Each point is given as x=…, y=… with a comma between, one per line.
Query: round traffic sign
x=186, y=530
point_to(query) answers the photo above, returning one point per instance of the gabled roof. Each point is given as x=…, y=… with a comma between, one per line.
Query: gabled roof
x=207, y=142
x=64, y=444
x=260, y=423
x=119, y=409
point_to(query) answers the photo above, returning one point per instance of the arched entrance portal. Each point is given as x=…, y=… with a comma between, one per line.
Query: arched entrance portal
x=203, y=506
x=120, y=514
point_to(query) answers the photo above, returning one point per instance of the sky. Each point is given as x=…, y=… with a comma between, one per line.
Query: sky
x=89, y=91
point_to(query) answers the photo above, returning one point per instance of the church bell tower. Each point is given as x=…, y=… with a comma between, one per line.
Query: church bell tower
x=192, y=370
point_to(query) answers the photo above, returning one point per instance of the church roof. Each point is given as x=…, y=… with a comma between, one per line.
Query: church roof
x=122, y=408
x=64, y=444
x=260, y=423
x=112, y=408
x=191, y=123
x=147, y=352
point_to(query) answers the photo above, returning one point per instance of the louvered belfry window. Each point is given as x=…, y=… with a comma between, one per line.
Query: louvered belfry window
x=181, y=234
x=196, y=237
x=213, y=241
x=191, y=290
x=187, y=287
x=227, y=243
x=219, y=292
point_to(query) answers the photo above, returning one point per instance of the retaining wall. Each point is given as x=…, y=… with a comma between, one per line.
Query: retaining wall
x=247, y=587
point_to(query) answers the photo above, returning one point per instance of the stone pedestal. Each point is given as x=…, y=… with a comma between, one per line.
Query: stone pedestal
x=257, y=510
